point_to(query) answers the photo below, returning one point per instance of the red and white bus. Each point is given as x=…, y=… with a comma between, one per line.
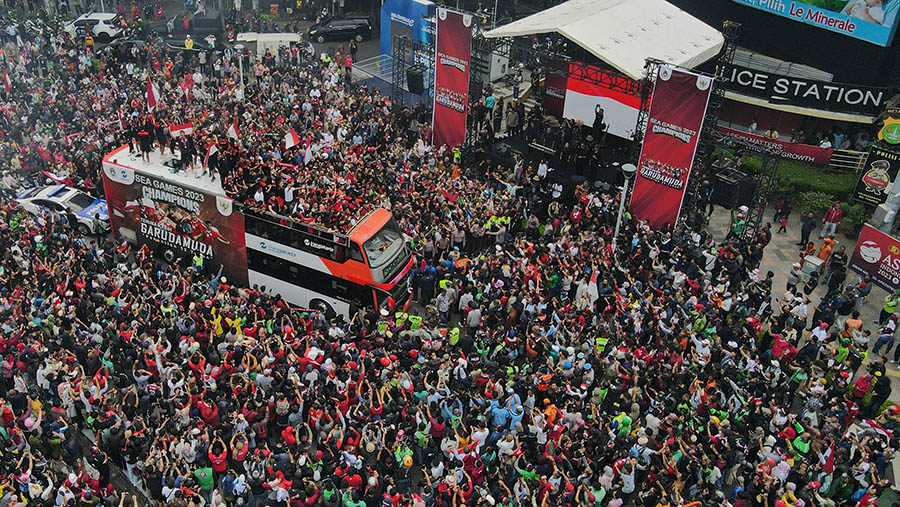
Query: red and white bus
x=178, y=215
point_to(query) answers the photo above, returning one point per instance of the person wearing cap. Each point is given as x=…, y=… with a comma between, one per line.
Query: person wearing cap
x=890, y=307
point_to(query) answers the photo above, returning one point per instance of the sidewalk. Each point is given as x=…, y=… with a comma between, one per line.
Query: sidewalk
x=783, y=251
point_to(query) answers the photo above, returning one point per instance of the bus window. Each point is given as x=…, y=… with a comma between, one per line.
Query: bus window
x=378, y=247
x=355, y=253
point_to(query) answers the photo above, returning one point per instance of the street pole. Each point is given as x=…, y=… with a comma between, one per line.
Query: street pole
x=628, y=170
x=240, y=49
x=494, y=22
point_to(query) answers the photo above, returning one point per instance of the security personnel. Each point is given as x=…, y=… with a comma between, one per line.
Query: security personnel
x=89, y=42
x=198, y=262
x=188, y=42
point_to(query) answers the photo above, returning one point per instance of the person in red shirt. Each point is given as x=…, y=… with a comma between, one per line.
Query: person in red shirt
x=218, y=456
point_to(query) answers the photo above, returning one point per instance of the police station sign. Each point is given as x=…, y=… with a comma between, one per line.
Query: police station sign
x=877, y=254
x=825, y=95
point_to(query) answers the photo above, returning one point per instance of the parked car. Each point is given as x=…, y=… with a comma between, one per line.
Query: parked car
x=105, y=26
x=358, y=29
x=73, y=203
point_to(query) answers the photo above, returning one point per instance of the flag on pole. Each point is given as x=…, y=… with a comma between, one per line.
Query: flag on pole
x=212, y=150
x=232, y=131
x=6, y=84
x=180, y=130
x=828, y=460
x=119, y=115
x=152, y=95
x=291, y=139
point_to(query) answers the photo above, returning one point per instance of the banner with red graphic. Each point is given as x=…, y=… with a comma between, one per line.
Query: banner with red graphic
x=175, y=219
x=555, y=87
x=877, y=254
x=453, y=50
x=805, y=153
x=670, y=142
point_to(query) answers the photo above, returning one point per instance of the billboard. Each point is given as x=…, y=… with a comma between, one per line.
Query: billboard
x=453, y=51
x=792, y=91
x=878, y=173
x=877, y=254
x=806, y=153
x=620, y=110
x=870, y=20
x=165, y=215
x=411, y=18
x=670, y=143
x=555, y=87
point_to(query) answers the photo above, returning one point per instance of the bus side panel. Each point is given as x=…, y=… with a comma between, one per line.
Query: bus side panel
x=166, y=216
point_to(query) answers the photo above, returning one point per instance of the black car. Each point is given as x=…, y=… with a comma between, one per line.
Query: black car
x=358, y=29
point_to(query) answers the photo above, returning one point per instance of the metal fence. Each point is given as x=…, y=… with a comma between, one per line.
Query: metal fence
x=847, y=161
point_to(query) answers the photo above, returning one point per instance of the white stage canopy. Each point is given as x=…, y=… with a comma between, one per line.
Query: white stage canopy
x=624, y=33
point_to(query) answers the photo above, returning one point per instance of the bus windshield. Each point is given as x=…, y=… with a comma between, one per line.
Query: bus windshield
x=378, y=247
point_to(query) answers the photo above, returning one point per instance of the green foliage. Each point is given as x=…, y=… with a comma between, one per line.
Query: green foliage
x=856, y=214
x=815, y=202
x=794, y=177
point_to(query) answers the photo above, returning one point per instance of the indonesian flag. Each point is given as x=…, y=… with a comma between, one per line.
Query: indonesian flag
x=869, y=423
x=307, y=155
x=232, y=131
x=592, y=289
x=152, y=95
x=57, y=179
x=180, y=130
x=212, y=150
x=828, y=460
x=119, y=115
x=7, y=86
x=291, y=139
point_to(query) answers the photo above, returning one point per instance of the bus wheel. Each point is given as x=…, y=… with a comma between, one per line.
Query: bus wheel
x=322, y=306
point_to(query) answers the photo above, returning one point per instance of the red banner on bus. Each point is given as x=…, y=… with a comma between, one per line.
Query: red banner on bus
x=877, y=254
x=670, y=143
x=453, y=50
x=176, y=221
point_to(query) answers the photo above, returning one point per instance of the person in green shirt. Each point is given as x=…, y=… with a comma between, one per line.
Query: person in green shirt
x=890, y=306
x=352, y=499
x=205, y=478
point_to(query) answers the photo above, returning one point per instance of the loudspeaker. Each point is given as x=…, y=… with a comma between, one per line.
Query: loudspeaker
x=415, y=80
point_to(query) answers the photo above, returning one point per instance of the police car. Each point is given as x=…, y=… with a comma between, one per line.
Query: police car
x=70, y=202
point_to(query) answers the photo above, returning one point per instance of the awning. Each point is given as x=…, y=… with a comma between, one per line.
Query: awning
x=624, y=33
x=805, y=111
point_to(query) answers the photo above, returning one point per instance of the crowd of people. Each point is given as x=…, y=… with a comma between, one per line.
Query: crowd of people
x=553, y=364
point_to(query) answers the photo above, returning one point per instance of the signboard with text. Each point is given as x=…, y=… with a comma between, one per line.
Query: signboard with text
x=793, y=91
x=878, y=173
x=873, y=21
x=877, y=254
x=453, y=51
x=805, y=153
x=670, y=143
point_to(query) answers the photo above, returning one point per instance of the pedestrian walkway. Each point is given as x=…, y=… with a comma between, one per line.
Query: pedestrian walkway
x=783, y=251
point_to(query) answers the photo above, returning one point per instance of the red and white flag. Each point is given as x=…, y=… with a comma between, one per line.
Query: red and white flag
x=291, y=139
x=119, y=116
x=869, y=423
x=828, y=460
x=180, y=130
x=212, y=150
x=232, y=131
x=7, y=86
x=152, y=95
x=57, y=179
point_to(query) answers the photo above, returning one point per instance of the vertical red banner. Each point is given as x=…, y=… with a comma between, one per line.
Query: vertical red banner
x=453, y=50
x=670, y=143
x=555, y=87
